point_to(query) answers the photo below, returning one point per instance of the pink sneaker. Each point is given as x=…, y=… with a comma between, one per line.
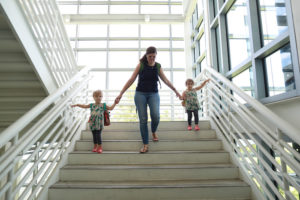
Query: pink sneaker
x=99, y=150
x=197, y=127
x=190, y=128
x=94, y=149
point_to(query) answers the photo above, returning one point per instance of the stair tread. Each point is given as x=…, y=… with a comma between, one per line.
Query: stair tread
x=150, y=152
x=161, y=140
x=151, y=184
x=151, y=166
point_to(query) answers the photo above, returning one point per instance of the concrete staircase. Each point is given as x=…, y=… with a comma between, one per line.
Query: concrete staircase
x=182, y=165
x=20, y=87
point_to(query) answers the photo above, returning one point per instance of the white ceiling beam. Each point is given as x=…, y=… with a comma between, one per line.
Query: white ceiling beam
x=123, y=18
x=119, y=2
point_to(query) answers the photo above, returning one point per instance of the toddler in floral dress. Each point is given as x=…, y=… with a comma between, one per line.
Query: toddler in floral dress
x=96, y=119
x=191, y=103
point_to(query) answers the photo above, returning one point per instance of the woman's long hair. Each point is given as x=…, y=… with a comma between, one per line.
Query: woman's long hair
x=148, y=51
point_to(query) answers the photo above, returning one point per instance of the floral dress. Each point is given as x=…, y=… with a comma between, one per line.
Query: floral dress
x=191, y=102
x=96, y=119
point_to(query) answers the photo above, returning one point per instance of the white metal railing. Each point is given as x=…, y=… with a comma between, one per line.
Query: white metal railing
x=34, y=146
x=261, y=141
x=47, y=26
x=125, y=111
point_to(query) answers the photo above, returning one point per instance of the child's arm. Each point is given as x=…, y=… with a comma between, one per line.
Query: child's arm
x=112, y=106
x=202, y=85
x=183, y=99
x=80, y=106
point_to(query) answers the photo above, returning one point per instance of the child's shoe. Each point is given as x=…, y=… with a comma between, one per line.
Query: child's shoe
x=94, y=149
x=197, y=127
x=190, y=128
x=99, y=150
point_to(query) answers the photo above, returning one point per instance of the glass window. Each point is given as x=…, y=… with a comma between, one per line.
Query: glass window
x=155, y=30
x=178, y=59
x=273, y=18
x=95, y=30
x=215, y=4
x=178, y=44
x=123, y=44
x=93, y=9
x=98, y=81
x=279, y=69
x=218, y=43
x=68, y=9
x=177, y=30
x=200, y=7
x=179, y=80
x=118, y=79
x=154, y=9
x=92, y=44
x=176, y=9
x=123, y=30
x=238, y=33
x=71, y=30
x=157, y=44
x=202, y=45
x=244, y=81
x=124, y=9
x=163, y=57
x=123, y=59
x=92, y=59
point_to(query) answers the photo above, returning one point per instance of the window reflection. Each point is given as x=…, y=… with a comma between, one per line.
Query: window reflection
x=279, y=69
x=244, y=81
x=238, y=33
x=273, y=18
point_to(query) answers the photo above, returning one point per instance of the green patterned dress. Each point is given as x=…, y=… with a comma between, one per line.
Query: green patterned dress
x=191, y=102
x=96, y=119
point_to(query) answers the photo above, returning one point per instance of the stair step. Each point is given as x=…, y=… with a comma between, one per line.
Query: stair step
x=154, y=190
x=152, y=157
x=24, y=92
x=165, y=125
x=17, y=76
x=6, y=34
x=15, y=67
x=10, y=45
x=148, y=172
x=163, y=135
x=13, y=57
x=162, y=145
x=20, y=84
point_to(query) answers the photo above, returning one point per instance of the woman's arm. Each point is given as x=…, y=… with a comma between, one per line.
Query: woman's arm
x=80, y=106
x=168, y=83
x=129, y=82
x=202, y=85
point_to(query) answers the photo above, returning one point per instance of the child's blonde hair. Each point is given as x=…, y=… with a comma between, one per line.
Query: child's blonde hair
x=189, y=80
x=97, y=92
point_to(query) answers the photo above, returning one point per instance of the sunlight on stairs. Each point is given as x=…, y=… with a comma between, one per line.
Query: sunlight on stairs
x=182, y=165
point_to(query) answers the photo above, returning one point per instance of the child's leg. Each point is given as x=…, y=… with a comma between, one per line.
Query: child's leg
x=189, y=112
x=95, y=141
x=196, y=115
x=99, y=141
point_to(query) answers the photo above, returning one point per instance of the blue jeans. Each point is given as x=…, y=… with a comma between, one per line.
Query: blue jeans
x=141, y=100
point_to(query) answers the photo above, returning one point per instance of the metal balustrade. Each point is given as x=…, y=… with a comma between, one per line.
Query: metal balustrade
x=47, y=26
x=261, y=141
x=33, y=147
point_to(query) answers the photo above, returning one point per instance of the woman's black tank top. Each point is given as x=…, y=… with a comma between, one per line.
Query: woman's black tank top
x=148, y=78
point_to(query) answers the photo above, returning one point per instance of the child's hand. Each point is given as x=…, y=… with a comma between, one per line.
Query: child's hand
x=117, y=101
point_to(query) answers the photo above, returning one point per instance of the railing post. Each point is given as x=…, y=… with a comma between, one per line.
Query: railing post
x=283, y=165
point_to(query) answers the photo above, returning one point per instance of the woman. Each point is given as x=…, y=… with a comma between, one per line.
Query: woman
x=147, y=93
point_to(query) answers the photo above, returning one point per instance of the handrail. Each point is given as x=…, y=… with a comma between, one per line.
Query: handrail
x=34, y=147
x=23, y=121
x=253, y=139
x=48, y=29
x=286, y=127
